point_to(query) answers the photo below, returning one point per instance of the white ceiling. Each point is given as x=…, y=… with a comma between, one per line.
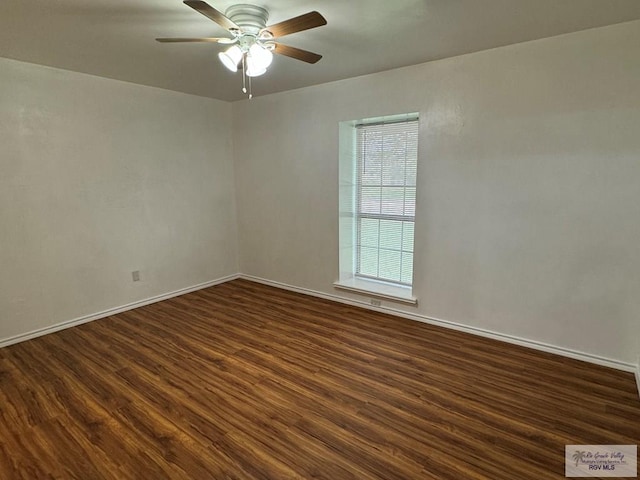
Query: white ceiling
x=115, y=38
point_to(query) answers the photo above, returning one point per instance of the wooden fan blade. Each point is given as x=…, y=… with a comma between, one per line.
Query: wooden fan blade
x=170, y=40
x=296, y=24
x=297, y=53
x=211, y=13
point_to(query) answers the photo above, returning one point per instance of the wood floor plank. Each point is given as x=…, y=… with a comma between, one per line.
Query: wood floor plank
x=244, y=381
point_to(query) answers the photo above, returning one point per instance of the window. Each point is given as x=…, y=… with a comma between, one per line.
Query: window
x=386, y=164
x=378, y=167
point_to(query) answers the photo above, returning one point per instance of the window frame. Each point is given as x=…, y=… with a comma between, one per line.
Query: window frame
x=348, y=280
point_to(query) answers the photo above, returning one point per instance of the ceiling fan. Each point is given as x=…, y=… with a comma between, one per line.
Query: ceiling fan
x=252, y=41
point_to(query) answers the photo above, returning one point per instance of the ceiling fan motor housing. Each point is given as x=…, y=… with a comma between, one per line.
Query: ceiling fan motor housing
x=250, y=18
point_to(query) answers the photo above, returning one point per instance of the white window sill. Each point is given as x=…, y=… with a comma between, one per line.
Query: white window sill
x=373, y=288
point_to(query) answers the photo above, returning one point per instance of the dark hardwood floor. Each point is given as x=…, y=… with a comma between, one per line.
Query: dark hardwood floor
x=244, y=381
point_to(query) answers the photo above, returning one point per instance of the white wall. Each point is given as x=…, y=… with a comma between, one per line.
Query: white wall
x=527, y=213
x=528, y=217
x=99, y=178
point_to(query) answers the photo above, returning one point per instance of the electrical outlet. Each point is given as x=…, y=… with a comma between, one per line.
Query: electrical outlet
x=375, y=302
x=135, y=275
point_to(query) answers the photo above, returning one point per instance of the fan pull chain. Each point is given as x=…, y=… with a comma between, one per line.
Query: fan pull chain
x=244, y=75
x=250, y=94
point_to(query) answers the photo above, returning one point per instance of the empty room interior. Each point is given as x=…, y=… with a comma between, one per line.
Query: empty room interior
x=319, y=239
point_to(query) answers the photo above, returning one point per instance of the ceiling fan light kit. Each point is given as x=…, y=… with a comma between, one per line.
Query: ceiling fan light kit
x=258, y=60
x=231, y=58
x=252, y=42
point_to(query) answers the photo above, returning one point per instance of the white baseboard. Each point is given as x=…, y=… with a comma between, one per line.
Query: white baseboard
x=112, y=311
x=565, y=352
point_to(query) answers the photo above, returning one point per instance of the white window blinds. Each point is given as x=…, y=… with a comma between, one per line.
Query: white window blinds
x=387, y=158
